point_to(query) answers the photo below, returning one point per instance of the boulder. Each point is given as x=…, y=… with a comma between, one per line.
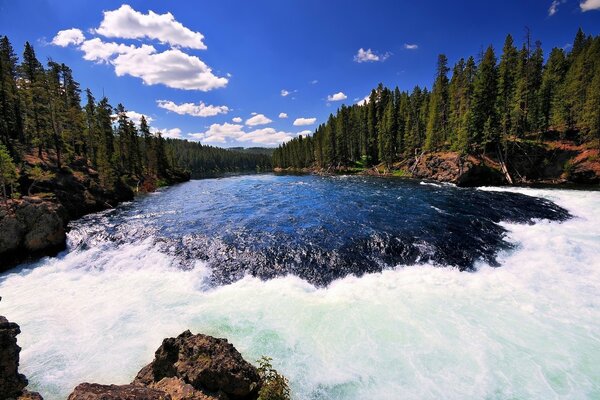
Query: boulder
x=30, y=227
x=95, y=391
x=208, y=364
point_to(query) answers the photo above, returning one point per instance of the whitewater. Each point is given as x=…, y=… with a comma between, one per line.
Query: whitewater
x=527, y=329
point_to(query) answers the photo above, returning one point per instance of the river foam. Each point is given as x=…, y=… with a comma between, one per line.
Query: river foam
x=526, y=330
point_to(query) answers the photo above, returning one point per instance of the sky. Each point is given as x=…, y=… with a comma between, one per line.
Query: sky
x=258, y=73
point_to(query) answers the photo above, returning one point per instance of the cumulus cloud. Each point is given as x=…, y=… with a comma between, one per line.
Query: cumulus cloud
x=174, y=133
x=136, y=117
x=258, y=119
x=305, y=133
x=370, y=56
x=172, y=68
x=127, y=23
x=411, y=46
x=284, y=93
x=237, y=120
x=196, y=110
x=337, y=97
x=304, y=121
x=364, y=100
x=235, y=134
x=283, y=115
x=67, y=37
x=588, y=5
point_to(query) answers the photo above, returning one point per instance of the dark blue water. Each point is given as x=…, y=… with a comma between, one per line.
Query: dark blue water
x=318, y=228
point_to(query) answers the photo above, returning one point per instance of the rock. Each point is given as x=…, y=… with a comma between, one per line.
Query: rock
x=12, y=382
x=29, y=228
x=206, y=363
x=27, y=395
x=95, y=391
x=179, y=390
x=460, y=170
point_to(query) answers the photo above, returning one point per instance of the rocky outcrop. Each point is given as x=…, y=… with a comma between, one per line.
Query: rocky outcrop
x=453, y=168
x=29, y=228
x=94, y=391
x=12, y=383
x=210, y=365
x=188, y=367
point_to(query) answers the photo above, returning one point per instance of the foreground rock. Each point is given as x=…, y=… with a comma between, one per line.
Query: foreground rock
x=94, y=391
x=188, y=367
x=207, y=364
x=12, y=383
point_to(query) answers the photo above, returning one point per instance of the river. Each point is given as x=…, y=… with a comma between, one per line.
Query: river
x=357, y=287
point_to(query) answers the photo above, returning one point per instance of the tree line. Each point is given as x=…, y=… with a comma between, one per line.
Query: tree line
x=485, y=105
x=42, y=113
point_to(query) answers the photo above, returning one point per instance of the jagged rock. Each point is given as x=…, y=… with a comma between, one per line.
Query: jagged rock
x=95, y=391
x=208, y=364
x=179, y=390
x=12, y=383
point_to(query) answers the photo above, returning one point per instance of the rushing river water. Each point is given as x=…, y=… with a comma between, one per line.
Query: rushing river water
x=353, y=285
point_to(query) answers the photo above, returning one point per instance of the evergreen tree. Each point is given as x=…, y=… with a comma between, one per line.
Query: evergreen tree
x=437, y=124
x=483, y=126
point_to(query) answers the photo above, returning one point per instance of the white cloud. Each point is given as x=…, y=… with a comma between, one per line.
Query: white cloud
x=588, y=5
x=554, y=7
x=337, y=97
x=67, y=37
x=258, y=119
x=172, y=68
x=127, y=23
x=284, y=93
x=364, y=100
x=314, y=82
x=411, y=46
x=304, y=121
x=237, y=120
x=370, y=56
x=283, y=115
x=174, y=133
x=196, y=110
x=234, y=134
x=253, y=113
x=305, y=133
x=136, y=117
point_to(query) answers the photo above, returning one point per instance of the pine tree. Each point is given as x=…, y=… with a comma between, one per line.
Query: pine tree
x=8, y=172
x=437, y=124
x=482, y=121
x=507, y=71
x=11, y=124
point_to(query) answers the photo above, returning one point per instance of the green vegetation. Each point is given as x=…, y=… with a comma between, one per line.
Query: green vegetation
x=484, y=107
x=8, y=172
x=41, y=114
x=274, y=385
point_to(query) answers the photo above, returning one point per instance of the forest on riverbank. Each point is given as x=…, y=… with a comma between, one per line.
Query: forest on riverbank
x=504, y=109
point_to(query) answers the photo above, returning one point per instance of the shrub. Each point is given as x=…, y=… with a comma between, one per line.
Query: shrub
x=275, y=386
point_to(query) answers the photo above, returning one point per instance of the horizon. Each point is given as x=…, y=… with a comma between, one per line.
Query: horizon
x=300, y=66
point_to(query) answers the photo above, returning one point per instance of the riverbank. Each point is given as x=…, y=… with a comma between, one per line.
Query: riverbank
x=552, y=162
x=35, y=224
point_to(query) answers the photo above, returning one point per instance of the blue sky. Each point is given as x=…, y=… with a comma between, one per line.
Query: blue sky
x=202, y=72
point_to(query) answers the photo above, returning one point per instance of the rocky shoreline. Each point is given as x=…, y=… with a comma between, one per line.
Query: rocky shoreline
x=35, y=226
x=560, y=162
x=188, y=367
